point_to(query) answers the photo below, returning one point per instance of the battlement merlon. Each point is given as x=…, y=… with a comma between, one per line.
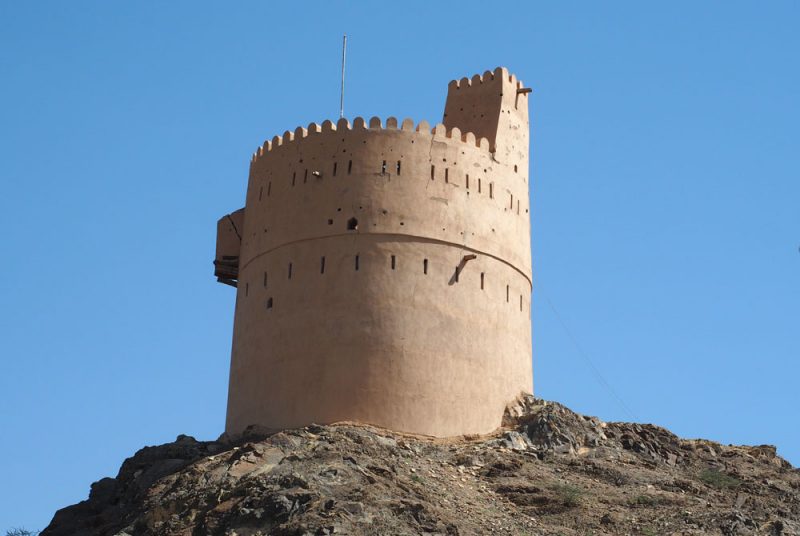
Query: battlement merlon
x=494, y=106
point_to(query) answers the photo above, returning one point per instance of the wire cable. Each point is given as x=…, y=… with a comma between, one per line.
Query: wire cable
x=595, y=371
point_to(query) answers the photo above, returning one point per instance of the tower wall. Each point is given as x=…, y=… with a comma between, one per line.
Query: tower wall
x=383, y=277
x=494, y=106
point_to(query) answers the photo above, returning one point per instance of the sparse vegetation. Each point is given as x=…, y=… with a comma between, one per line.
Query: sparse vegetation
x=568, y=494
x=718, y=479
x=21, y=532
x=645, y=500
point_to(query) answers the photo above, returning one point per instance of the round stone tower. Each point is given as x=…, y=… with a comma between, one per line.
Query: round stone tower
x=383, y=271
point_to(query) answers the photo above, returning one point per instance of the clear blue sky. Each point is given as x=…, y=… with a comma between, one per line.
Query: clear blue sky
x=666, y=205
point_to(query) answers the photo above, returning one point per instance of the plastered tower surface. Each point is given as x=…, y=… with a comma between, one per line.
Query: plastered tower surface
x=383, y=270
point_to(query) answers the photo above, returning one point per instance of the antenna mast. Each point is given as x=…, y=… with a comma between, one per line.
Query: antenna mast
x=344, y=56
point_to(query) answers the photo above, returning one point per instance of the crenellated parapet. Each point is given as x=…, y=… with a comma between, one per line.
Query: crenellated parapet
x=375, y=125
x=488, y=77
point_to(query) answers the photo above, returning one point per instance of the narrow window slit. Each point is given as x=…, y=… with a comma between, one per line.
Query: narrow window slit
x=479, y=186
x=265, y=279
x=269, y=188
x=294, y=177
x=512, y=202
x=383, y=168
x=425, y=266
x=482, y=277
x=491, y=190
x=467, y=181
x=246, y=289
x=394, y=262
x=356, y=263
x=290, y=270
x=269, y=303
x=322, y=265
x=520, y=302
x=433, y=172
x=305, y=176
x=260, y=192
x=335, y=164
x=349, y=166
x=447, y=175
x=398, y=167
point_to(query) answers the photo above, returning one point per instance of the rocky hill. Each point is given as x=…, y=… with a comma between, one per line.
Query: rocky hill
x=549, y=471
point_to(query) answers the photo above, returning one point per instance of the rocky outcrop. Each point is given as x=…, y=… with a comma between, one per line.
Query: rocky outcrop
x=548, y=471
